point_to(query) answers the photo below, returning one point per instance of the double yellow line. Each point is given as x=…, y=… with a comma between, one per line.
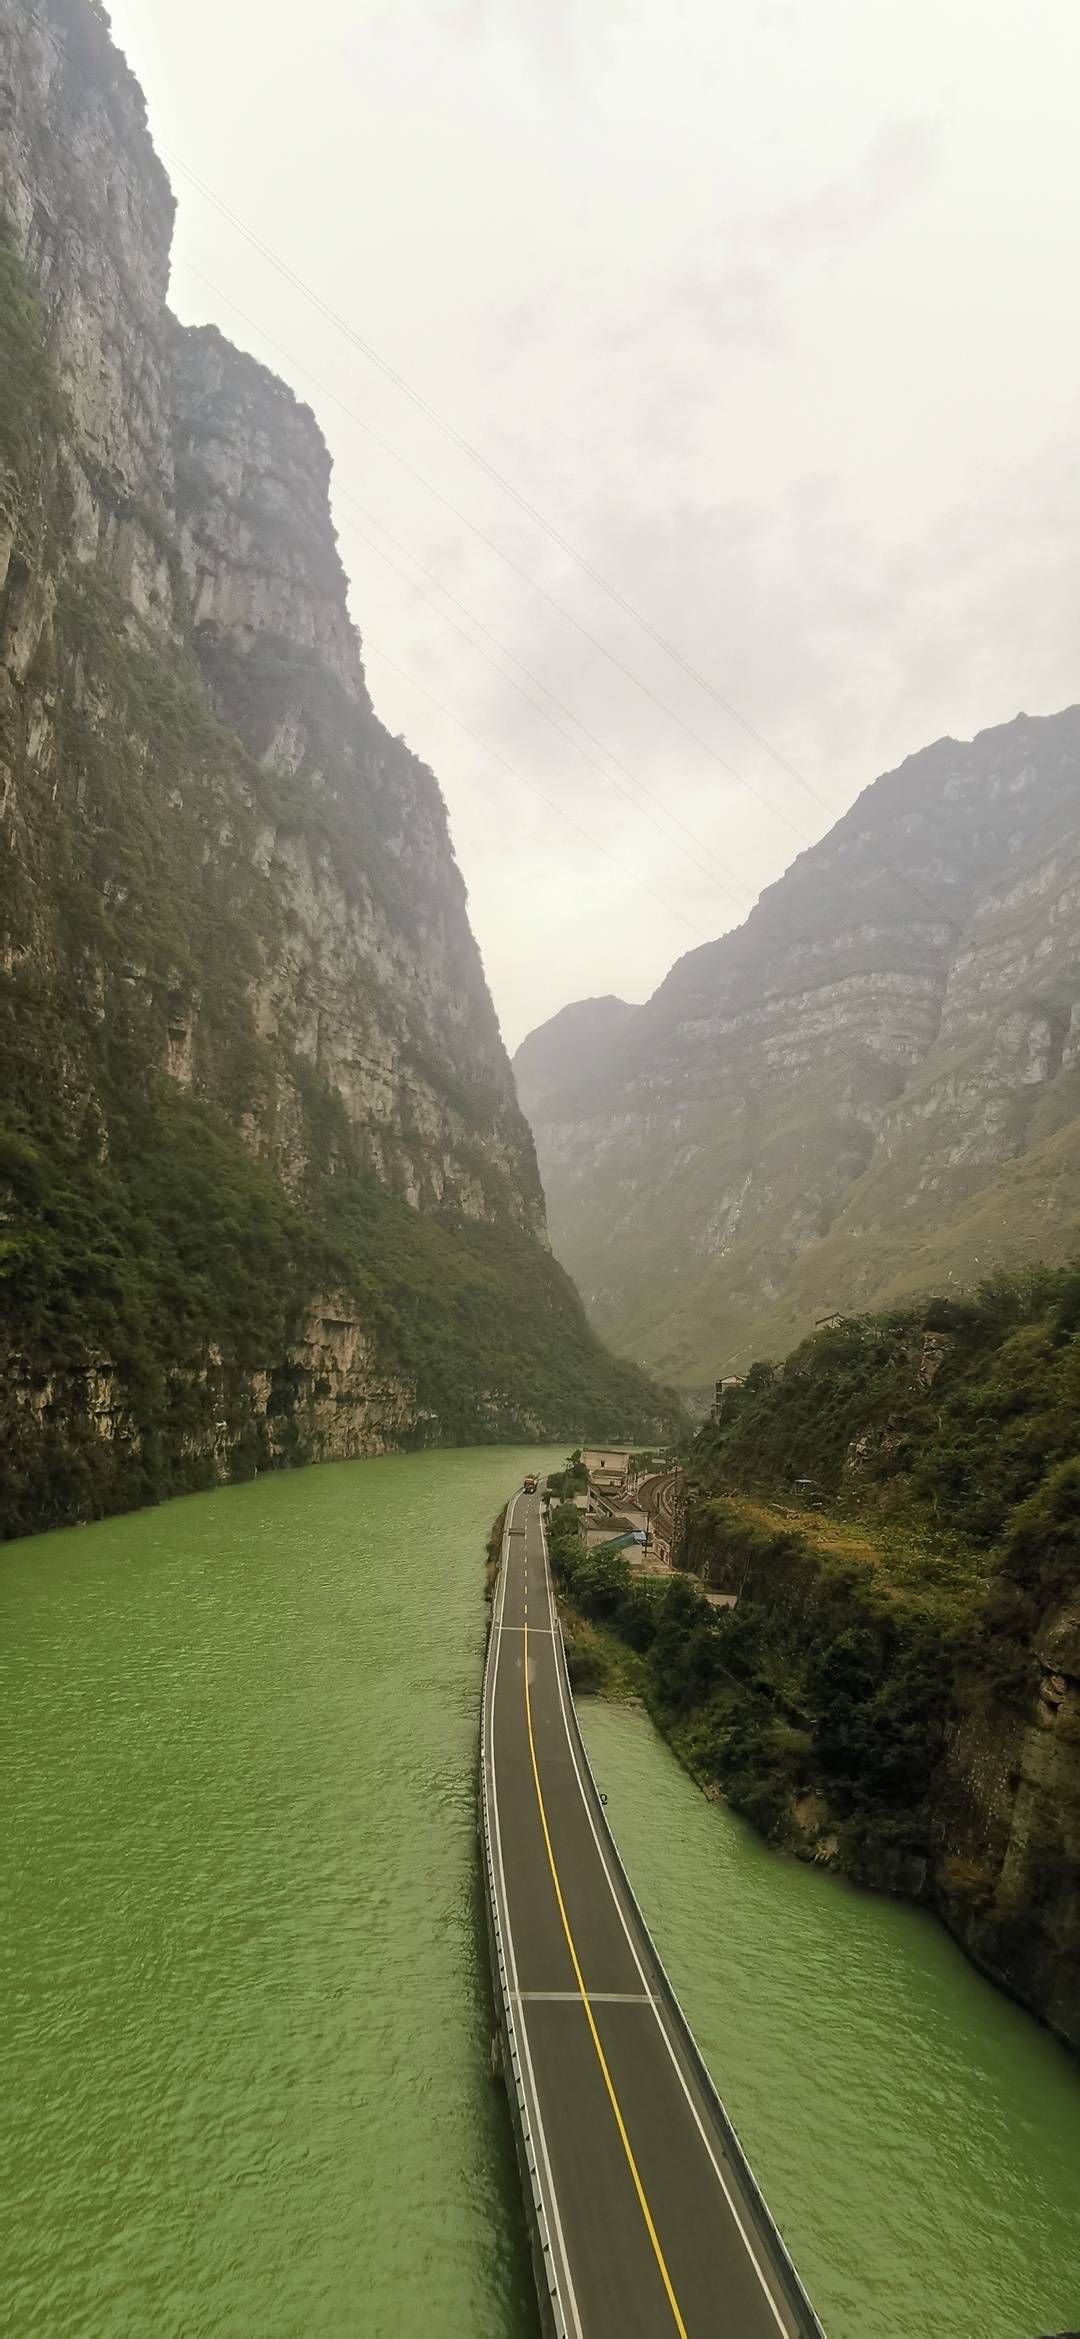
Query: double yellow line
x=589, y=2016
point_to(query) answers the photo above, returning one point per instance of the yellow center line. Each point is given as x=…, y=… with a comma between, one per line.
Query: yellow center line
x=594, y=2033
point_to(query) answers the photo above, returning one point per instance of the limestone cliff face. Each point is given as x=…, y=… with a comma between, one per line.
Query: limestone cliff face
x=1008, y=1823
x=872, y=1087
x=375, y=979
x=266, y=1186
x=326, y=1397
x=196, y=487
x=987, y=1832
x=89, y=209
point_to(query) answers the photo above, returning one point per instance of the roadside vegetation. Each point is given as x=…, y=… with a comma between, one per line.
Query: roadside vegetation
x=946, y=1417
x=949, y=1435
x=563, y=1484
x=895, y=1513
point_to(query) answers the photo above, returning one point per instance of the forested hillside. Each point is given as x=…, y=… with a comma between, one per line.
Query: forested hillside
x=886, y=1673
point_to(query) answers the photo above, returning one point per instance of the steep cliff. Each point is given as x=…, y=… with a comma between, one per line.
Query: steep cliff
x=872, y=1088
x=267, y=1190
x=902, y=1667
x=858, y=1723
x=885, y=1673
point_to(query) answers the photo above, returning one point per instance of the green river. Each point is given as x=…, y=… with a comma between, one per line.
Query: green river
x=242, y=1991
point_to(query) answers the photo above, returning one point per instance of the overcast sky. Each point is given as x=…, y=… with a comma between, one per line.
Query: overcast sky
x=770, y=311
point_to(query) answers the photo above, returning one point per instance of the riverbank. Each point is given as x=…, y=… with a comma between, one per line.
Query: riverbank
x=914, y=2132
x=917, y=1626
x=242, y=1989
x=847, y=1707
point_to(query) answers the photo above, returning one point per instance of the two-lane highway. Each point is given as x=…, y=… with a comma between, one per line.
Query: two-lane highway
x=651, y=2219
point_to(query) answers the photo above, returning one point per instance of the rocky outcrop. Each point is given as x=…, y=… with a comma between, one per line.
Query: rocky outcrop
x=872, y=1087
x=325, y=1398
x=249, y=1052
x=196, y=489
x=89, y=209
x=1008, y=1821
x=862, y=1727
x=376, y=980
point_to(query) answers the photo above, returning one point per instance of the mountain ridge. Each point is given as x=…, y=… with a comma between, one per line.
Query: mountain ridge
x=796, y=1119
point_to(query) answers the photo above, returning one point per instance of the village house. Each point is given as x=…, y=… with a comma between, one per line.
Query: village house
x=609, y=1469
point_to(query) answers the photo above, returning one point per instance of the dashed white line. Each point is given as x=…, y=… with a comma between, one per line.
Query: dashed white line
x=782, y=2326
x=569, y=2299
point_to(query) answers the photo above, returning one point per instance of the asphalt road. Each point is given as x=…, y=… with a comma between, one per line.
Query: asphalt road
x=653, y=2228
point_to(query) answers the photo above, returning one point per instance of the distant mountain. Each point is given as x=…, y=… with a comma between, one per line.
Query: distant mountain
x=871, y=1088
x=568, y=1049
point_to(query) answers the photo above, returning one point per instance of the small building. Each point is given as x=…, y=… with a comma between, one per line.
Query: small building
x=828, y=1323
x=723, y=1391
x=608, y=1468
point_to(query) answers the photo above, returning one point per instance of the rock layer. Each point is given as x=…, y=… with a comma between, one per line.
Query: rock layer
x=872, y=1087
x=250, y=1057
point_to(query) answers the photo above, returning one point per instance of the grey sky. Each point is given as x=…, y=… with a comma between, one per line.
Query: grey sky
x=769, y=310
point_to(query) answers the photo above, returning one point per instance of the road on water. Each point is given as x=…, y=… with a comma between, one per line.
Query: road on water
x=653, y=2226
x=243, y=1994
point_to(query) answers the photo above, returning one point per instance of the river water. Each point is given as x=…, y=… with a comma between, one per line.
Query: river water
x=917, y=2137
x=247, y=2092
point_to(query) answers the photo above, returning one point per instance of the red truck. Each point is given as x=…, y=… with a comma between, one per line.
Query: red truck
x=531, y=1482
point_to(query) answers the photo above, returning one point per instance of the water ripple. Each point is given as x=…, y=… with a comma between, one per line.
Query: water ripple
x=248, y=2093
x=917, y=2137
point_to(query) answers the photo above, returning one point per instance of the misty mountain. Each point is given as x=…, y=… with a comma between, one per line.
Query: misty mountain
x=870, y=1089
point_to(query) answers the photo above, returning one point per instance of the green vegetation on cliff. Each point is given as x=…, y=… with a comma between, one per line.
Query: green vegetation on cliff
x=887, y=1675
x=178, y=1245
x=181, y=1185
x=939, y=1421
x=142, y=1237
x=866, y=1713
x=949, y=1437
x=29, y=399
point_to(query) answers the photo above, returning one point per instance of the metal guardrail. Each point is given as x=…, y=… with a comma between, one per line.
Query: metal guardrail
x=783, y=2262
x=543, y=2256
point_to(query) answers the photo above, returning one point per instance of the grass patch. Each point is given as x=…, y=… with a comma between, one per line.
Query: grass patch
x=600, y=1664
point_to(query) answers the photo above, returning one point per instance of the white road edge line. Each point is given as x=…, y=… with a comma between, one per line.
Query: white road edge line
x=782, y=2325
x=554, y=2220
x=573, y=1998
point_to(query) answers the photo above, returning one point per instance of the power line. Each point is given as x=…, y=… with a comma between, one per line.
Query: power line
x=350, y=413
x=506, y=652
x=345, y=495
x=552, y=806
x=423, y=404
x=533, y=582
x=901, y=876
x=284, y=269
x=367, y=350
x=506, y=486
x=935, y=909
x=529, y=701
x=485, y=745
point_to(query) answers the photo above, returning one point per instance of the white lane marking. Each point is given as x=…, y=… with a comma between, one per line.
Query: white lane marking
x=782, y=2325
x=573, y=1998
x=552, y=2205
